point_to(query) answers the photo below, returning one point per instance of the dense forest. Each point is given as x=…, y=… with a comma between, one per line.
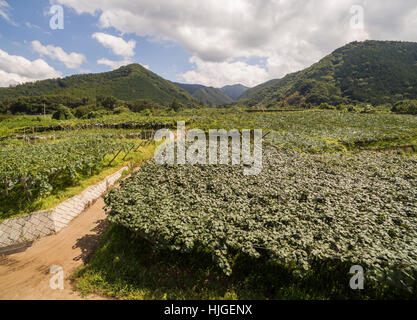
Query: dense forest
x=206, y=95
x=374, y=72
x=129, y=83
x=84, y=107
x=214, y=96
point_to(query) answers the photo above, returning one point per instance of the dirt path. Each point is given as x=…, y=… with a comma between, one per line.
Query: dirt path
x=26, y=275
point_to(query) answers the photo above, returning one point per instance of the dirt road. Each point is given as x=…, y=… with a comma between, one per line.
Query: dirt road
x=26, y=275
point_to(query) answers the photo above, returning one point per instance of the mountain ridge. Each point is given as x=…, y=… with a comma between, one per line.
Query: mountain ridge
x=207, y=95
x=234, y=91
x=214, y=96
x=131, y=82
x=371, y=71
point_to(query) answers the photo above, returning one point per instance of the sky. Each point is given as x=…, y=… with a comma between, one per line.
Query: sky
x=210, y=42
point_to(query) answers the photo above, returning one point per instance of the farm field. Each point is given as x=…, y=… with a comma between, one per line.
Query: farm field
x=305, y=214
x=317, y=130
x=41, y=169
x=319, y=206
x=238, y=151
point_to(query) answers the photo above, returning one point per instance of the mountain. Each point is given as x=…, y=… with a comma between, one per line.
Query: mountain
x=212, y=96
x=207, y=95
x=234, y=91
x=375, y=72
x=131, y=82
x=190, y=88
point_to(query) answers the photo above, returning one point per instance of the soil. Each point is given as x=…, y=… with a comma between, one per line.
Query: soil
x=26, y=274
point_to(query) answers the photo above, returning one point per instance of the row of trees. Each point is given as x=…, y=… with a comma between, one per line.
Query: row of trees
x=78, y=106
x=108, y=105
x=40, y=104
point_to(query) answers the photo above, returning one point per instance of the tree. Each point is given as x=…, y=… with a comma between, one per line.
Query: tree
x=19, y=105
x=62, y=113
x=405, y=107
x=120, y=110
x=176, y=105
x=108, y=102
x=140, y=105
x=3, y=107
x=83, y=110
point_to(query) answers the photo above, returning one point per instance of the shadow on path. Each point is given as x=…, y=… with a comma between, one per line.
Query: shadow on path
x=89, y=242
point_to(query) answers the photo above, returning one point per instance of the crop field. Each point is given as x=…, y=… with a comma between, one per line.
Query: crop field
x=42, y=165
x=320, y=205
x=301, y=210
x=318, y=131
x=218, y=154
x=311, y=130
x=356, y=208
x=17, y=125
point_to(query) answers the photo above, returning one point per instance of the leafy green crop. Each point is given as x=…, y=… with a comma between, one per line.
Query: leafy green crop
x=35, y=170
x=313, y=131
x=303, y=208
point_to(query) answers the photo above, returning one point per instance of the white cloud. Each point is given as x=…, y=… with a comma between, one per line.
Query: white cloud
x=4, y=12
x=7, y=79
x=17, y=69
x=114, y=64
x=73, y=60
x=32, y=26
x=288, y=34
x=117, y=64
x=217, y=74
x=117, y=45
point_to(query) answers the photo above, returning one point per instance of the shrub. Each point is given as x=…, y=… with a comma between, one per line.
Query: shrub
x=140, y=105
x=342, y=107
x=95, y=114
x=368, y=109
x=147, y=112
x=62, y=113
x=353, y=109
x=326, y=106
x=306, y=106
x=120, y=110
x=108, y=102
x=176, y=105
x=405, y=107
x=84, y=110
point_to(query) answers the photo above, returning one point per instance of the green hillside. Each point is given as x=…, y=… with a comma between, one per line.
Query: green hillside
x=212, y=96
x=207, y=95
x=128, y=83
x=234, y=91
x=190, y=88
x=375, y=72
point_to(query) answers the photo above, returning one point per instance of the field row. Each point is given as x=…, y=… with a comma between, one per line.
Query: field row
x=312, y=131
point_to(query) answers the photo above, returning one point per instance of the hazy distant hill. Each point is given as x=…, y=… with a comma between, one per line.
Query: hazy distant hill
x=376, y=72
x=234, y=91
x=207, y=95
x=190, y=88
x=128, y=83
